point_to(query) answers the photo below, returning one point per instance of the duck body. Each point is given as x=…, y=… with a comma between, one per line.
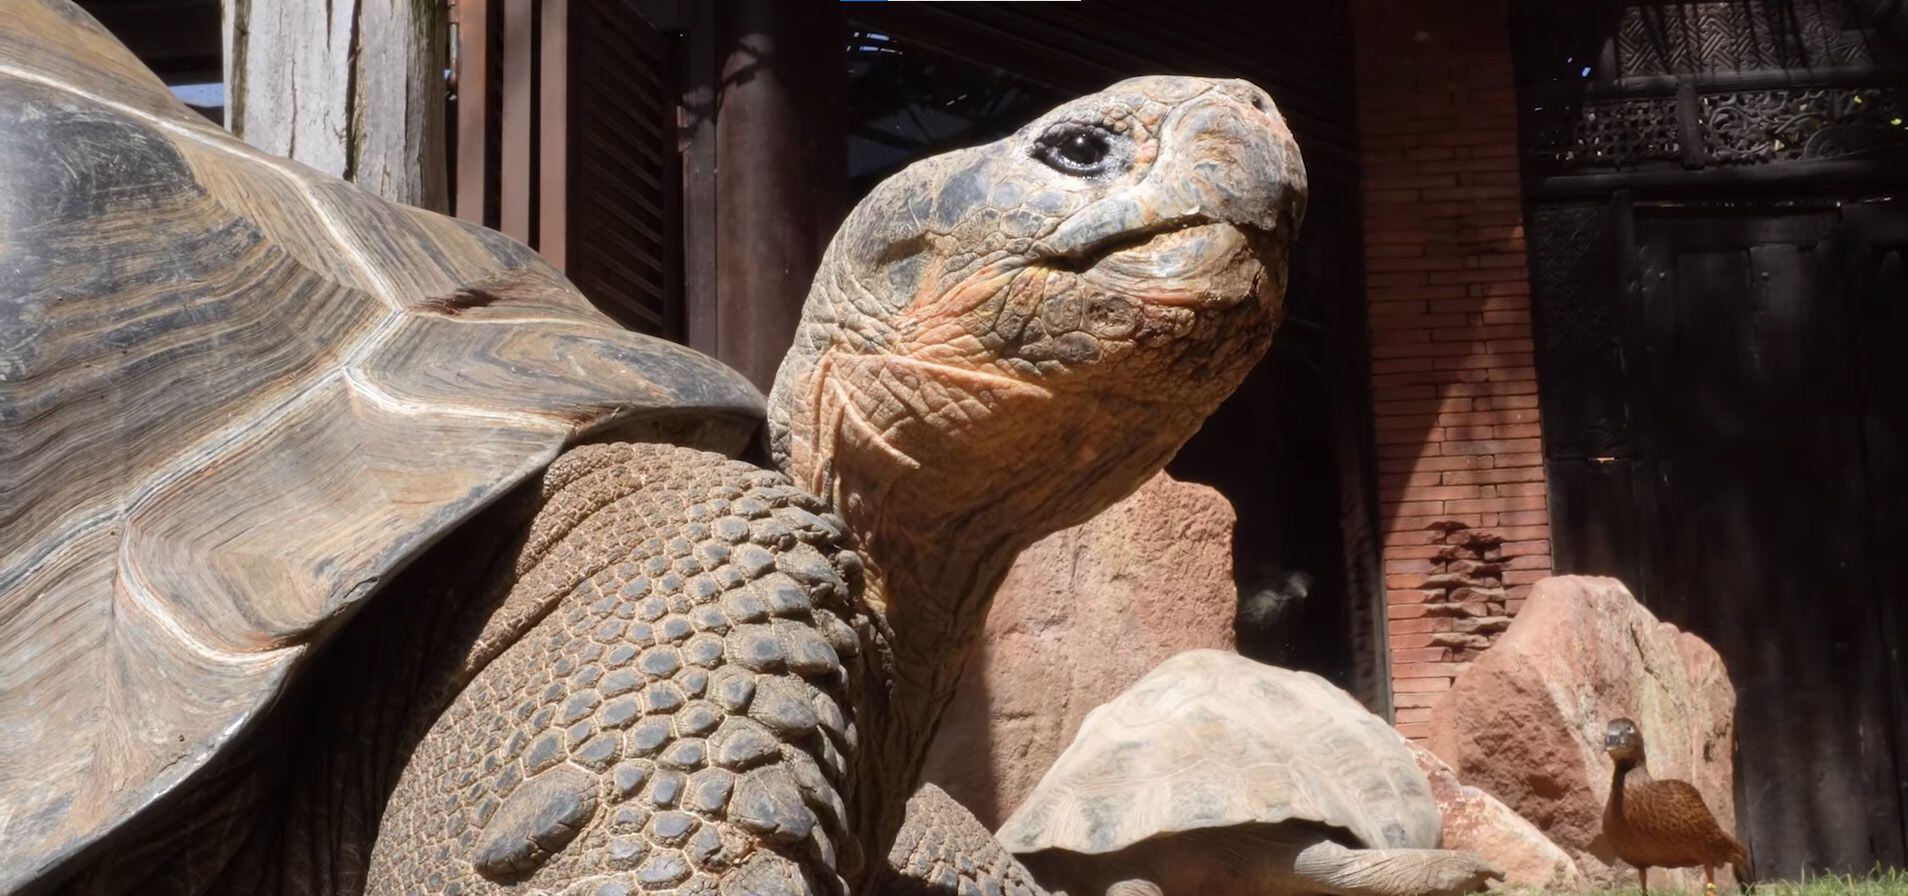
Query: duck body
x=1665, y=824
x=1662, y=824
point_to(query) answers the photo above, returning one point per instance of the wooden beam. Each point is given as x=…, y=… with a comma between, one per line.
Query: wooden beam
x=698, y=142
x=781, y=155
x=553, y=152
x=519, y=72
x=473, y=109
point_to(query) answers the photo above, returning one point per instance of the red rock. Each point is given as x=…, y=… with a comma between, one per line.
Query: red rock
x=1525, y=722
x=1084, y=614
x=1477, y=822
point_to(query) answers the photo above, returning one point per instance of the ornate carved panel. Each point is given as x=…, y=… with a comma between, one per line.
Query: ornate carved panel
x=1738, y=36
x=1746, y=127
x=1735, y=127
x=1605, y=134
x=1638, y=84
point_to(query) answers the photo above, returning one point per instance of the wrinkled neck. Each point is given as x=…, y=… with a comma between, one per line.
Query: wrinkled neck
x=935, y=591
x=934, y=553
x=942, y=488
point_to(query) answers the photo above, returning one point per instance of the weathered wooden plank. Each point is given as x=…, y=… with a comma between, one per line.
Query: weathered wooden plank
x=697, y=140
x=1877, y=289
x=353, y=88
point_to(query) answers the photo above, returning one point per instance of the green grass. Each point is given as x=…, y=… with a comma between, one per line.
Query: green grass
x=1879, y=882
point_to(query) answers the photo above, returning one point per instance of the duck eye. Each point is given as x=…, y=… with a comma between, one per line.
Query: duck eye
x=1079, y=151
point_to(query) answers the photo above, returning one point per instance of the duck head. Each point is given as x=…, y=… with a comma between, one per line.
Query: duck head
x=1624, y=742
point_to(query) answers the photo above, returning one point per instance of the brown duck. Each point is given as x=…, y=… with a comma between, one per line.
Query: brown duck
x=1661, y=824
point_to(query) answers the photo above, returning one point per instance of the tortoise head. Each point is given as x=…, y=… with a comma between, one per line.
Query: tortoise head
x=1623, y=741
x=1015, y=335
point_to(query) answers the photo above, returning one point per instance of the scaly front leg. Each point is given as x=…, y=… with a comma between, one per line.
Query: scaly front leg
x=943, y=850
x=1331, y=868
x=659, y=705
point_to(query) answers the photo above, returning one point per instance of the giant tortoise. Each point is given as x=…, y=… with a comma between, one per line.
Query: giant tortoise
x=344, y=547
x=1218, y=776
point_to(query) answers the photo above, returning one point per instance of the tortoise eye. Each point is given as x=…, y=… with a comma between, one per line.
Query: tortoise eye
x=1078, y=150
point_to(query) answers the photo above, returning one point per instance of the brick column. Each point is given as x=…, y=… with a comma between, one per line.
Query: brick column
x=1460, y=467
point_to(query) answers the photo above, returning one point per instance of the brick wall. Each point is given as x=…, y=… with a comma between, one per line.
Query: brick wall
x=1455, y=393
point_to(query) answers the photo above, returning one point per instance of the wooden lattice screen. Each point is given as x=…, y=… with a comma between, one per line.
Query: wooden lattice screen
x=565, y=139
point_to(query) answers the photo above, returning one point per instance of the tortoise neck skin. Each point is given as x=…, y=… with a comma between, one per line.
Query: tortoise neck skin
x=1004, y=340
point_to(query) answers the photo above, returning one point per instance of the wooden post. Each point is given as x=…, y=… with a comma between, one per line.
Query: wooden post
x=697, y=140
x=353, y=88
x=553, y=143
x=473, y=100
x=517, y=150
x=780, y=161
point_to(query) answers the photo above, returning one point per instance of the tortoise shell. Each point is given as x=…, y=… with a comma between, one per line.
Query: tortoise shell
x=1211, y=739
x=236, y=396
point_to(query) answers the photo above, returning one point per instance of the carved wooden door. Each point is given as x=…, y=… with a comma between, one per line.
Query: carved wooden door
x=1876, y=251
x=1754, y=419
x=1727, y=442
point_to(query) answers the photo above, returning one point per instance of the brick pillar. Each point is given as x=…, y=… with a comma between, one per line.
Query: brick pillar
x=1461, y=477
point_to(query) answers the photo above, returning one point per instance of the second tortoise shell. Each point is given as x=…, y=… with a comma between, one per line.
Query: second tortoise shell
x=1211, y=739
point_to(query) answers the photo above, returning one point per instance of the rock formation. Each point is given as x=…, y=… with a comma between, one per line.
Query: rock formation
x=1085, y=613
x=1475, y=821
x=1525, y=722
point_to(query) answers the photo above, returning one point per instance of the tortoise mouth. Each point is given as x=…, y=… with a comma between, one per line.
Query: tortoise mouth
x=1194, y=264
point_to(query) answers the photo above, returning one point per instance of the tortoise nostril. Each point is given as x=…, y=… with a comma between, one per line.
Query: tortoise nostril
x=1248, y=93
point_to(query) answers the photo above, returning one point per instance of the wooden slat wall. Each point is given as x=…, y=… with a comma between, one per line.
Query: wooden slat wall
x=615, y=228
x=566, y=124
